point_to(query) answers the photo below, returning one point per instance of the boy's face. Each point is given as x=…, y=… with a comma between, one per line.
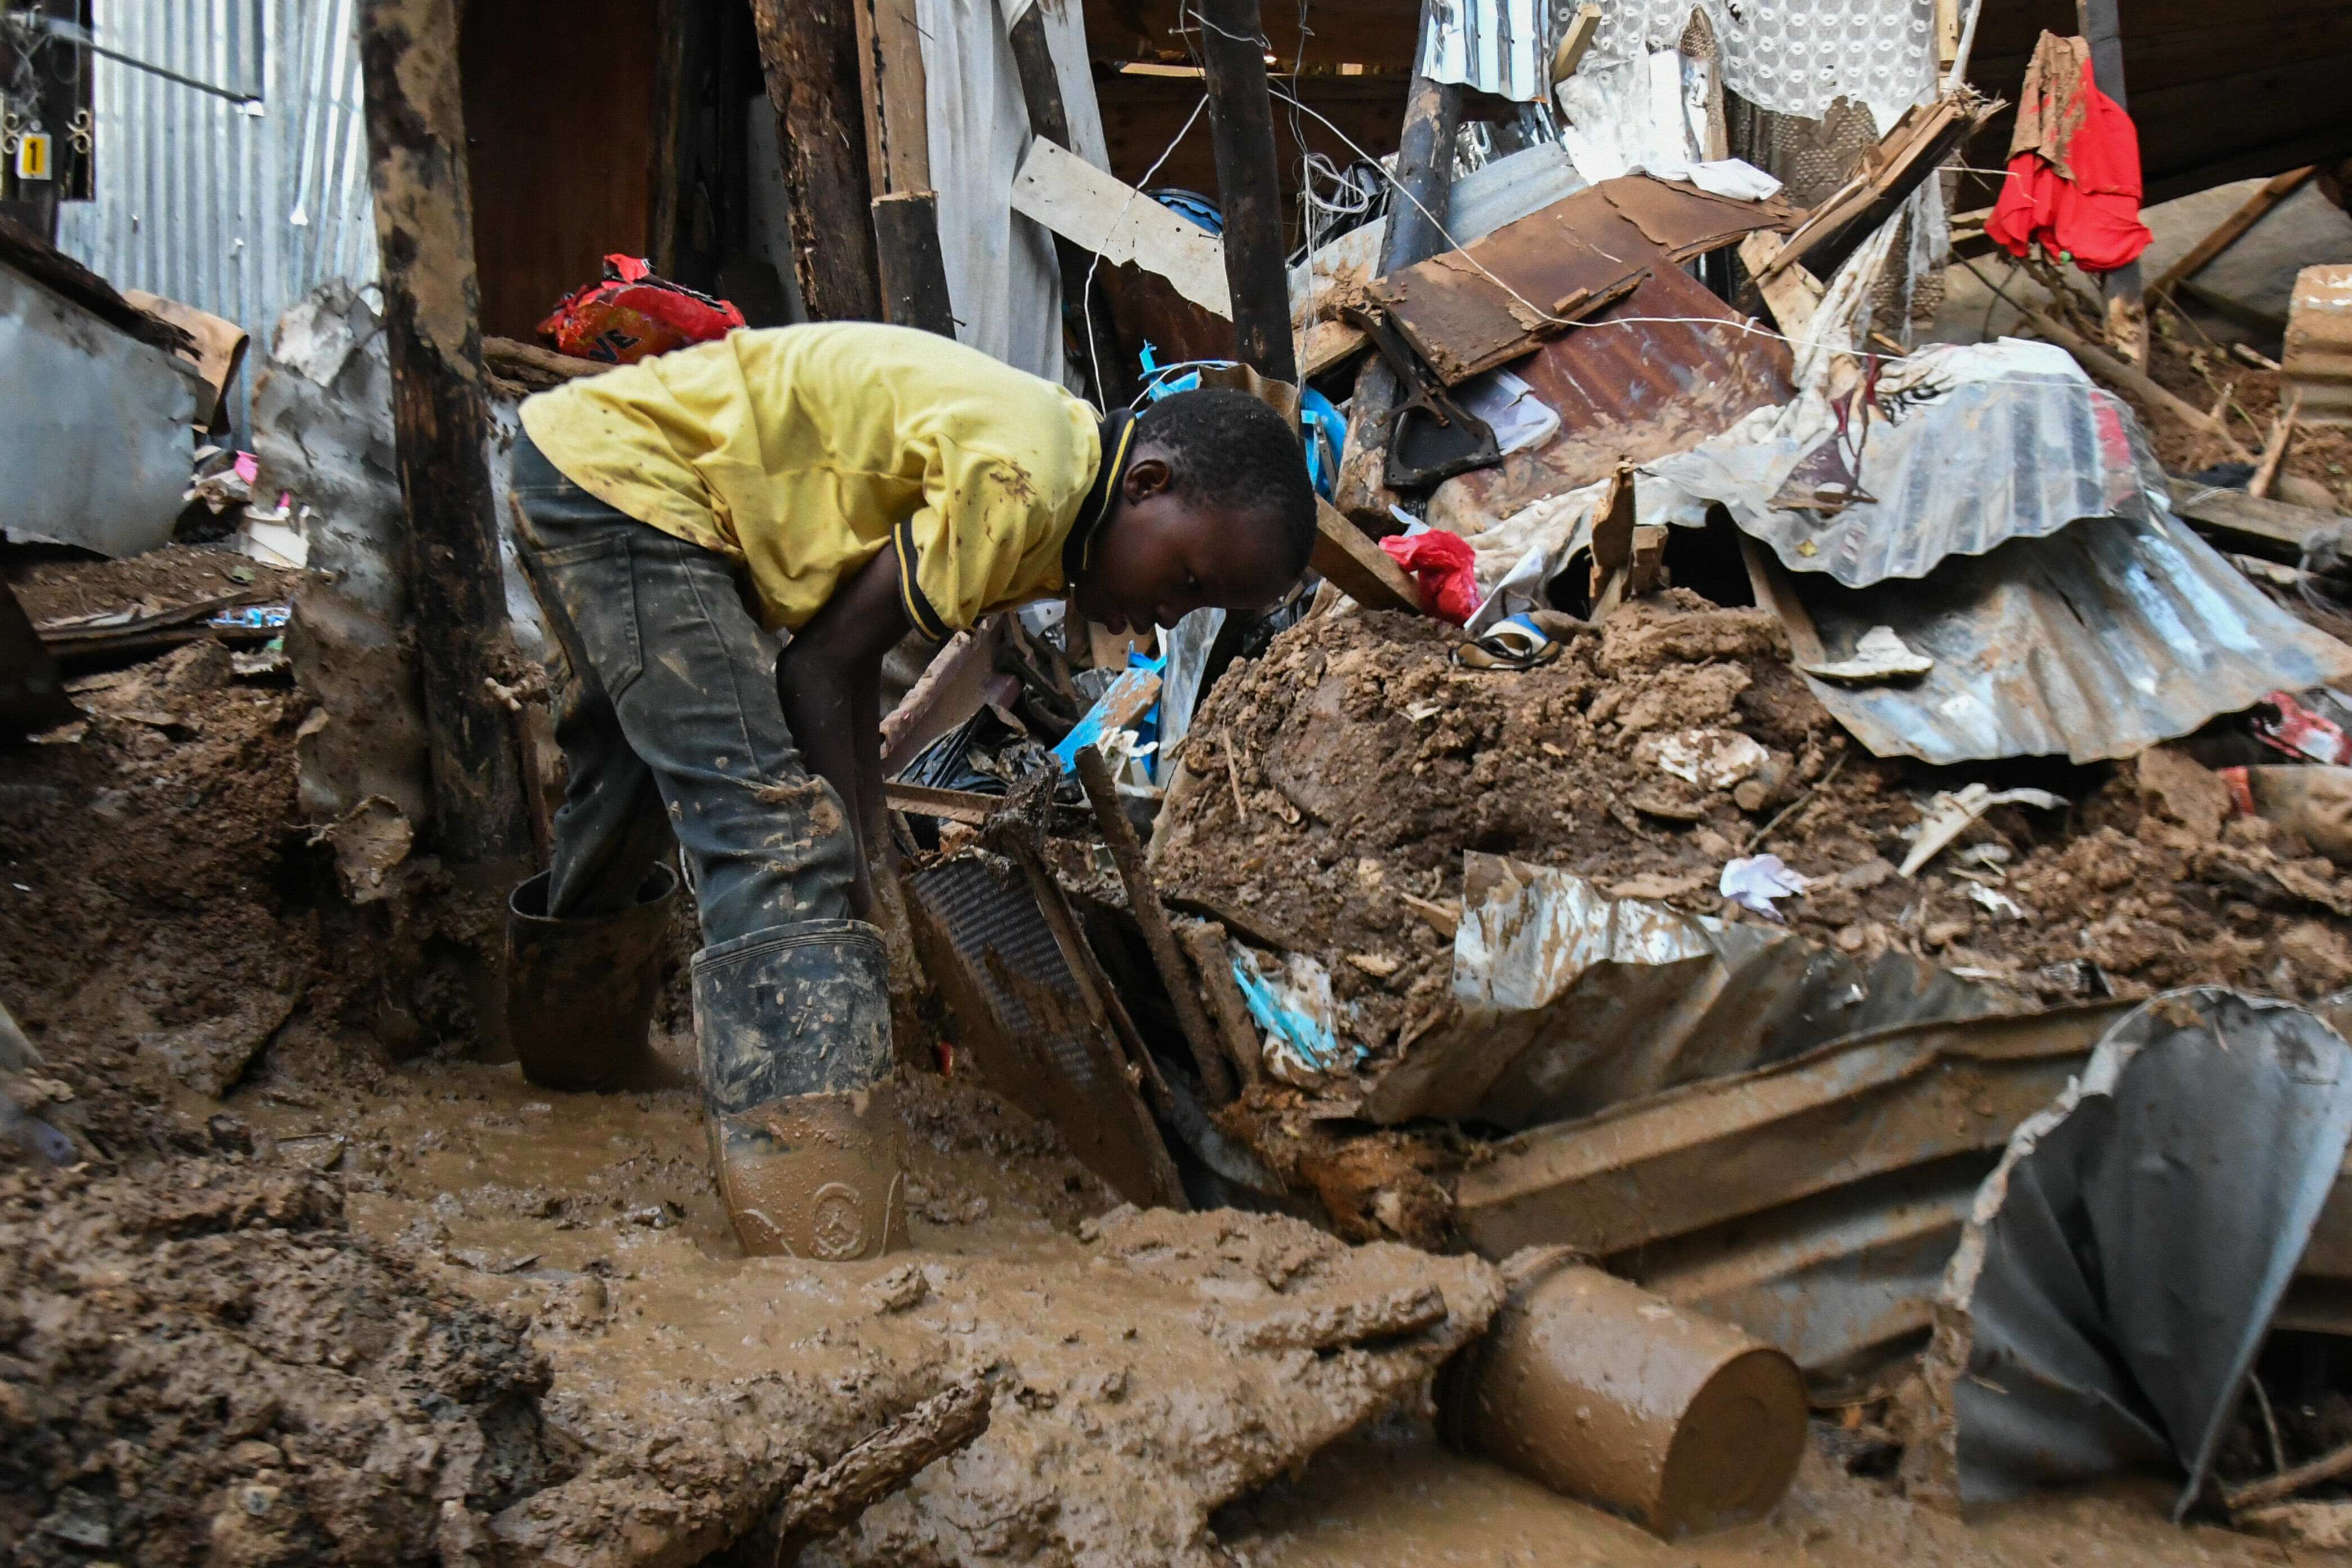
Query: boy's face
x=1162, y=555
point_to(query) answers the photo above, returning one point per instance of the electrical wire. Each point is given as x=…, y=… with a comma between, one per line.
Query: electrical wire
x=1087, y=304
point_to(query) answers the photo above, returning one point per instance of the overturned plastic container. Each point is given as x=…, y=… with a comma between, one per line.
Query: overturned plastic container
x=1608, y=1393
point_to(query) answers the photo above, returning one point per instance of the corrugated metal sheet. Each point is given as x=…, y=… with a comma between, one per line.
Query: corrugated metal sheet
x=199, y=201
x=1502, y=46
x=1950, y=452
x=1570, y=1001
x=1687, y=371
x=2096, y=643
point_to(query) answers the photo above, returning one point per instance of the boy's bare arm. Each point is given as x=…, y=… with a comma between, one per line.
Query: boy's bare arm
x=829, y=680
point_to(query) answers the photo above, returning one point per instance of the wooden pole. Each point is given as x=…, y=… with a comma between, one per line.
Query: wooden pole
x=1041, y=94
x=1249, y=185
x=911, y=268
x=1143, y=902
x=441, y=422
x=1416, y=231
x=2126, y=315
x=808, y=50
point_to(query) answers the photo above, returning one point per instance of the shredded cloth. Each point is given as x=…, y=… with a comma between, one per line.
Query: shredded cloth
x=2074, y=166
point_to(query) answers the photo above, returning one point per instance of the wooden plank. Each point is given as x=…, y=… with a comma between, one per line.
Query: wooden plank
x=2231, y=229
x=1120, y=224
x=890, y=78
x=808, y=54
x=441, y=424
x=2241, y=523
x=1143, y=903
x=1249, y=185
x=1575, y=43
x=1791, y=293
x=1363, y=571
x=913, y=271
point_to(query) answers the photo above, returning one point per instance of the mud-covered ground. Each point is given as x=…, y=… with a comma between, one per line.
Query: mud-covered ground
x=316, y=1289
x=1345, y=775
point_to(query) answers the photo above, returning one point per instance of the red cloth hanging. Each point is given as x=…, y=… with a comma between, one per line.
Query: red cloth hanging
x=2078, y=198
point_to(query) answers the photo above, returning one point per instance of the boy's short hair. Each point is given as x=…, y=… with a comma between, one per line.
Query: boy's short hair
x=1230, y=450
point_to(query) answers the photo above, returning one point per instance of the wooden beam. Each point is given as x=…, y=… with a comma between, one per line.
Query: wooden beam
x=1575, y=42
x=1102, y=367
x=1143, y=903
x=2101, y=25
x=1099, y=212
x=441, y=424
x=1249, y=187
x=1349, y=558
x=2244, y=525
x=2130, y=378
x=808, y=51
x=891, y=81
x=2231, y=229
x=914, y=271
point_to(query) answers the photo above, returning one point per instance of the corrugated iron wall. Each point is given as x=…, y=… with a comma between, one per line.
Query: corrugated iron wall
x=234, y=213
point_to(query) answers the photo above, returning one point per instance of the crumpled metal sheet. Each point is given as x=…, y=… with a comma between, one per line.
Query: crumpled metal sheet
x=1569, y=1001
x=1955, y=451
x=99, y=447
x=1686, y=369
x=1502, y=46
x=2121, y=1266
x=2093, y=644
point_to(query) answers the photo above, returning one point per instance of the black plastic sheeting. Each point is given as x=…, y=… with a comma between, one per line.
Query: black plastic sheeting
x=2124, y=1261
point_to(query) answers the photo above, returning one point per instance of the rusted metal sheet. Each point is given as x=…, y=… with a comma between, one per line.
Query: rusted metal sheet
x=1567, y=1001
x=2094, y=644
x=1953, y=451
x=1690, y=1157
x=2318, y=361
x=1025, y=1019
x=1471, y=310
x=1684, y=369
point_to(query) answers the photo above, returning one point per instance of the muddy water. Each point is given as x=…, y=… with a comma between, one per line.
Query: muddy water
x=1125, y=1412
x=1393, y=1498
x=1146, y=1366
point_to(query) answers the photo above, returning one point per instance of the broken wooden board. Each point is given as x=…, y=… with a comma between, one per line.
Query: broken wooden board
x=1468, y=310
x=1889, y=173
x=1345, y=555
x=1120, y=224
x=2234, y=520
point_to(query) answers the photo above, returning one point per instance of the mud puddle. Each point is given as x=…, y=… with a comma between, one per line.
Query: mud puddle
x=1392, y=1497
x=1145, y=1367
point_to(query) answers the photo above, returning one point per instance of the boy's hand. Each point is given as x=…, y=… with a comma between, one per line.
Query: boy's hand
x=830, y=680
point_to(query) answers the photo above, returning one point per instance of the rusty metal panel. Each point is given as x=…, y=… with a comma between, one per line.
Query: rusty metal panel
x=1471, y=310
x=2094, y=644
x=1568, y=1002
x=2318, y=356
x=1682, y=369
x=1024, y=1020
x=1727, y=1148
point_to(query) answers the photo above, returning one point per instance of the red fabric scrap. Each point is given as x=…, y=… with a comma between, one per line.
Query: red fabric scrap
x=1444, y=566
x=633, y=315
x=2092, y=219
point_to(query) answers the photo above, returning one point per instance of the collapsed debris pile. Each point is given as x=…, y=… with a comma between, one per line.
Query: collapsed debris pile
x=1773, y=866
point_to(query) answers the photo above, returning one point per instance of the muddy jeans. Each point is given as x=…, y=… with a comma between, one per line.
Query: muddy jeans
x=671, y=724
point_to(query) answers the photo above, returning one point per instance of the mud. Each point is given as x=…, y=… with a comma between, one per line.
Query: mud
x=368, y=1306
x=1348, y=770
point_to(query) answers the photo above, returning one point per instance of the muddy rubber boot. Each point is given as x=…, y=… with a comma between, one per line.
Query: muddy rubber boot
x=793, y=1024
x=581, y=992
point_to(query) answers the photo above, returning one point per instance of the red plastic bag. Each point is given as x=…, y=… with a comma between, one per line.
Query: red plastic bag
x=1443, y=563
x=633, y=315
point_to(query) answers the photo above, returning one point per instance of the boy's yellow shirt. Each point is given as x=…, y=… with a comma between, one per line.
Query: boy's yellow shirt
x=803, y=451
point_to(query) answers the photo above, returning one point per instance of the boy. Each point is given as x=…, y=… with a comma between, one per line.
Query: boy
x=844, y=483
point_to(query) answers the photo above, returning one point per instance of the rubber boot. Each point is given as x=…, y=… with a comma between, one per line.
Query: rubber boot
x=793, y=1024
x=581, y=992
